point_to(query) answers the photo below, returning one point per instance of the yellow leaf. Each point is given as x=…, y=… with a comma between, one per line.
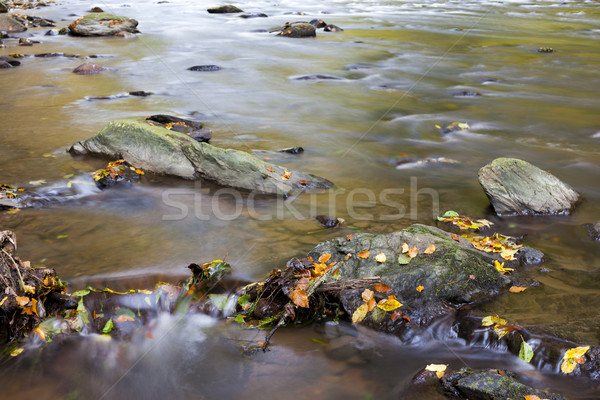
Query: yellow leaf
x=367, y=295
x=3, y=300
x=40, y=332
x=533, y=397
x=500, y=267
x=420, y=288
x=360, y=313
x=363, y=254
x=412, y=253
x=430, y=249
x=439, y=369
x=568, y=366
x=576, y=352
x=405, y=248
x=22, y=300
x=491, y=320
x=573, y=357
x=29, y=289
x=144, y=291
x=324, y=257
x=16, y=351
x=299, y=298
x=517, y=289
x=380, y=258
x=389, y=304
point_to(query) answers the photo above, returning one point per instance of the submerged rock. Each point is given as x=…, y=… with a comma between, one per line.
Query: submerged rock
x=318, y=23
x=254, y=15
x=10, y=60
x=205, y=68
x=4, y=65
x=160, y=150
x=298, y=30
x=89, y=68
x=327, y=221
x=332, y=28
x=516, y=187
x=227, y=9
x=10, y=25
x=594, y=230
x=317, y=77
x=102, y=24
x=490, y=385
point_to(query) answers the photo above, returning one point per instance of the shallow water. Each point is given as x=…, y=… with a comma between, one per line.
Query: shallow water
x=413, y=56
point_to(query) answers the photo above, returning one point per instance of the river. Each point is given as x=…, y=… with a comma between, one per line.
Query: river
x=402, y=64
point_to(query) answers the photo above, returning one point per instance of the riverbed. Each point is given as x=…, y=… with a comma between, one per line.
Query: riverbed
x=404, y=69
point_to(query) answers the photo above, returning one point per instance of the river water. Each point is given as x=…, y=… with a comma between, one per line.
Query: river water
x=402, y=64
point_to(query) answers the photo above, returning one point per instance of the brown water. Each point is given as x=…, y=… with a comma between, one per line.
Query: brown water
x=539, y=107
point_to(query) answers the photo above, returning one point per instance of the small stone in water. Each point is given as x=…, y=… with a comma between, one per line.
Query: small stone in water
x=205, y=68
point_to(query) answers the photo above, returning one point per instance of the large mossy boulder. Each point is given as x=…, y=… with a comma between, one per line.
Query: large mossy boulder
x=10, y=25
x=160, y=150
x=102, y=24
x=516, y=187
x=453, y=275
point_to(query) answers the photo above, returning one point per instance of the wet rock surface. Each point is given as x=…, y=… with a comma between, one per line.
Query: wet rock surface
x=205, y=68
x=102, y=24
x=10, y=25
x=89, y=68
x=594, y=230
x=160, y=150
x=193, y=129
x=226, y=9
x=516, y=187
x=298, y=30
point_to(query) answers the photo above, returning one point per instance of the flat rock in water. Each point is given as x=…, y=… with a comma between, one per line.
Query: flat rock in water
x=516, y=187
x=490, y=385
x=594, y=230
x=227, y=9
x=102, y=24
x=317, y=77
x=160, y=150
x=454, y=274
x=254, y=15
x=89, y=68
x=4, y=64
x=10, y=60
x=299, y=30
x=205, y=68
x=10, y=25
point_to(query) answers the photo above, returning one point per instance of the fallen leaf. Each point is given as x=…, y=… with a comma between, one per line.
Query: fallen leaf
x=40, y=332
x=430, y=249
x=124, y=318
x=406, y=318
x=517, y=289
x=22, y=300
x=472, y=276
x=455, y=237
x=380, y=258
x=382, y=288
x=303, y=182
x=348, y=256
x=16, y=351
x=491, y=320
x=439, y=369
x=412, y=253
x=395, y=315
x=403, y=259
x=526, y=352
x=363, y=254
x=500, y=267
x=372, y=303
x=260, y=343
x=367, y=295
x=299, y=298
x=29, y=289
x=360, y=313
x=532, y=397
x=405, y=248
x=392, y=296
x=302, y=285
x=389, y=304
x=270, y=169
x=324, y=257
x=572, y=357
x=349, y=237
x=3, y=300
x=286, y=175
x=420, y=288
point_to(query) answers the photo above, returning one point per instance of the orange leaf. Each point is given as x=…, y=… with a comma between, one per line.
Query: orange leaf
x=270, y=169
x=371, y=303
x=396, y=314
x=405, y=248
x=124, y=318
x=455, y=237
x=392, y=296
x=382, y=288
x=420, y=288
x=302, y=284
x=324, y=257
x=472, y=276
x=260, y=343
x=310, y=259
x=430, y=249
x=40, y=332
x=22, y=300
x=364, y=254
x=412, y=253
x=286, y=175
x=532, y=397
x=349, y=237
x=367, y=295
x=406, y=318
x=299, y=297
x=517, y=289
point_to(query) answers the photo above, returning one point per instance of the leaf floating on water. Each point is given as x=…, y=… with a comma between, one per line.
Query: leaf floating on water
x=382, y=288
x=572, y=357
x=299, y=298
x=324, y=257
x=420, y=288
x=363, y=254
x=412, y=253
x=389, y=304
x=360, y=313
x=405, y=248
x=517, y=289
x=439, y=369
x=367, y=295
x=526, y=352
x=430, y=249
x=380, y=258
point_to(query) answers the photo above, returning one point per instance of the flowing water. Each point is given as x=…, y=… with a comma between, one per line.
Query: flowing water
x=402, y=64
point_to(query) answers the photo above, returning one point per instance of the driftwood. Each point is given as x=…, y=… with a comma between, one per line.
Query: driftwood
x=338, y=286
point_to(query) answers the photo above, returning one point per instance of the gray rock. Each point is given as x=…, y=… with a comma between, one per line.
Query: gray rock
x=227, y=9
x=299, y=30
x=102, y=24
x=516, y=187
x=254, y=15
x=89, y=68
x=160, y=150
x=10, y=25
x=4, y=64
x=10, y=60
x=454, y=275
x=490, y=385
x=594, y=230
